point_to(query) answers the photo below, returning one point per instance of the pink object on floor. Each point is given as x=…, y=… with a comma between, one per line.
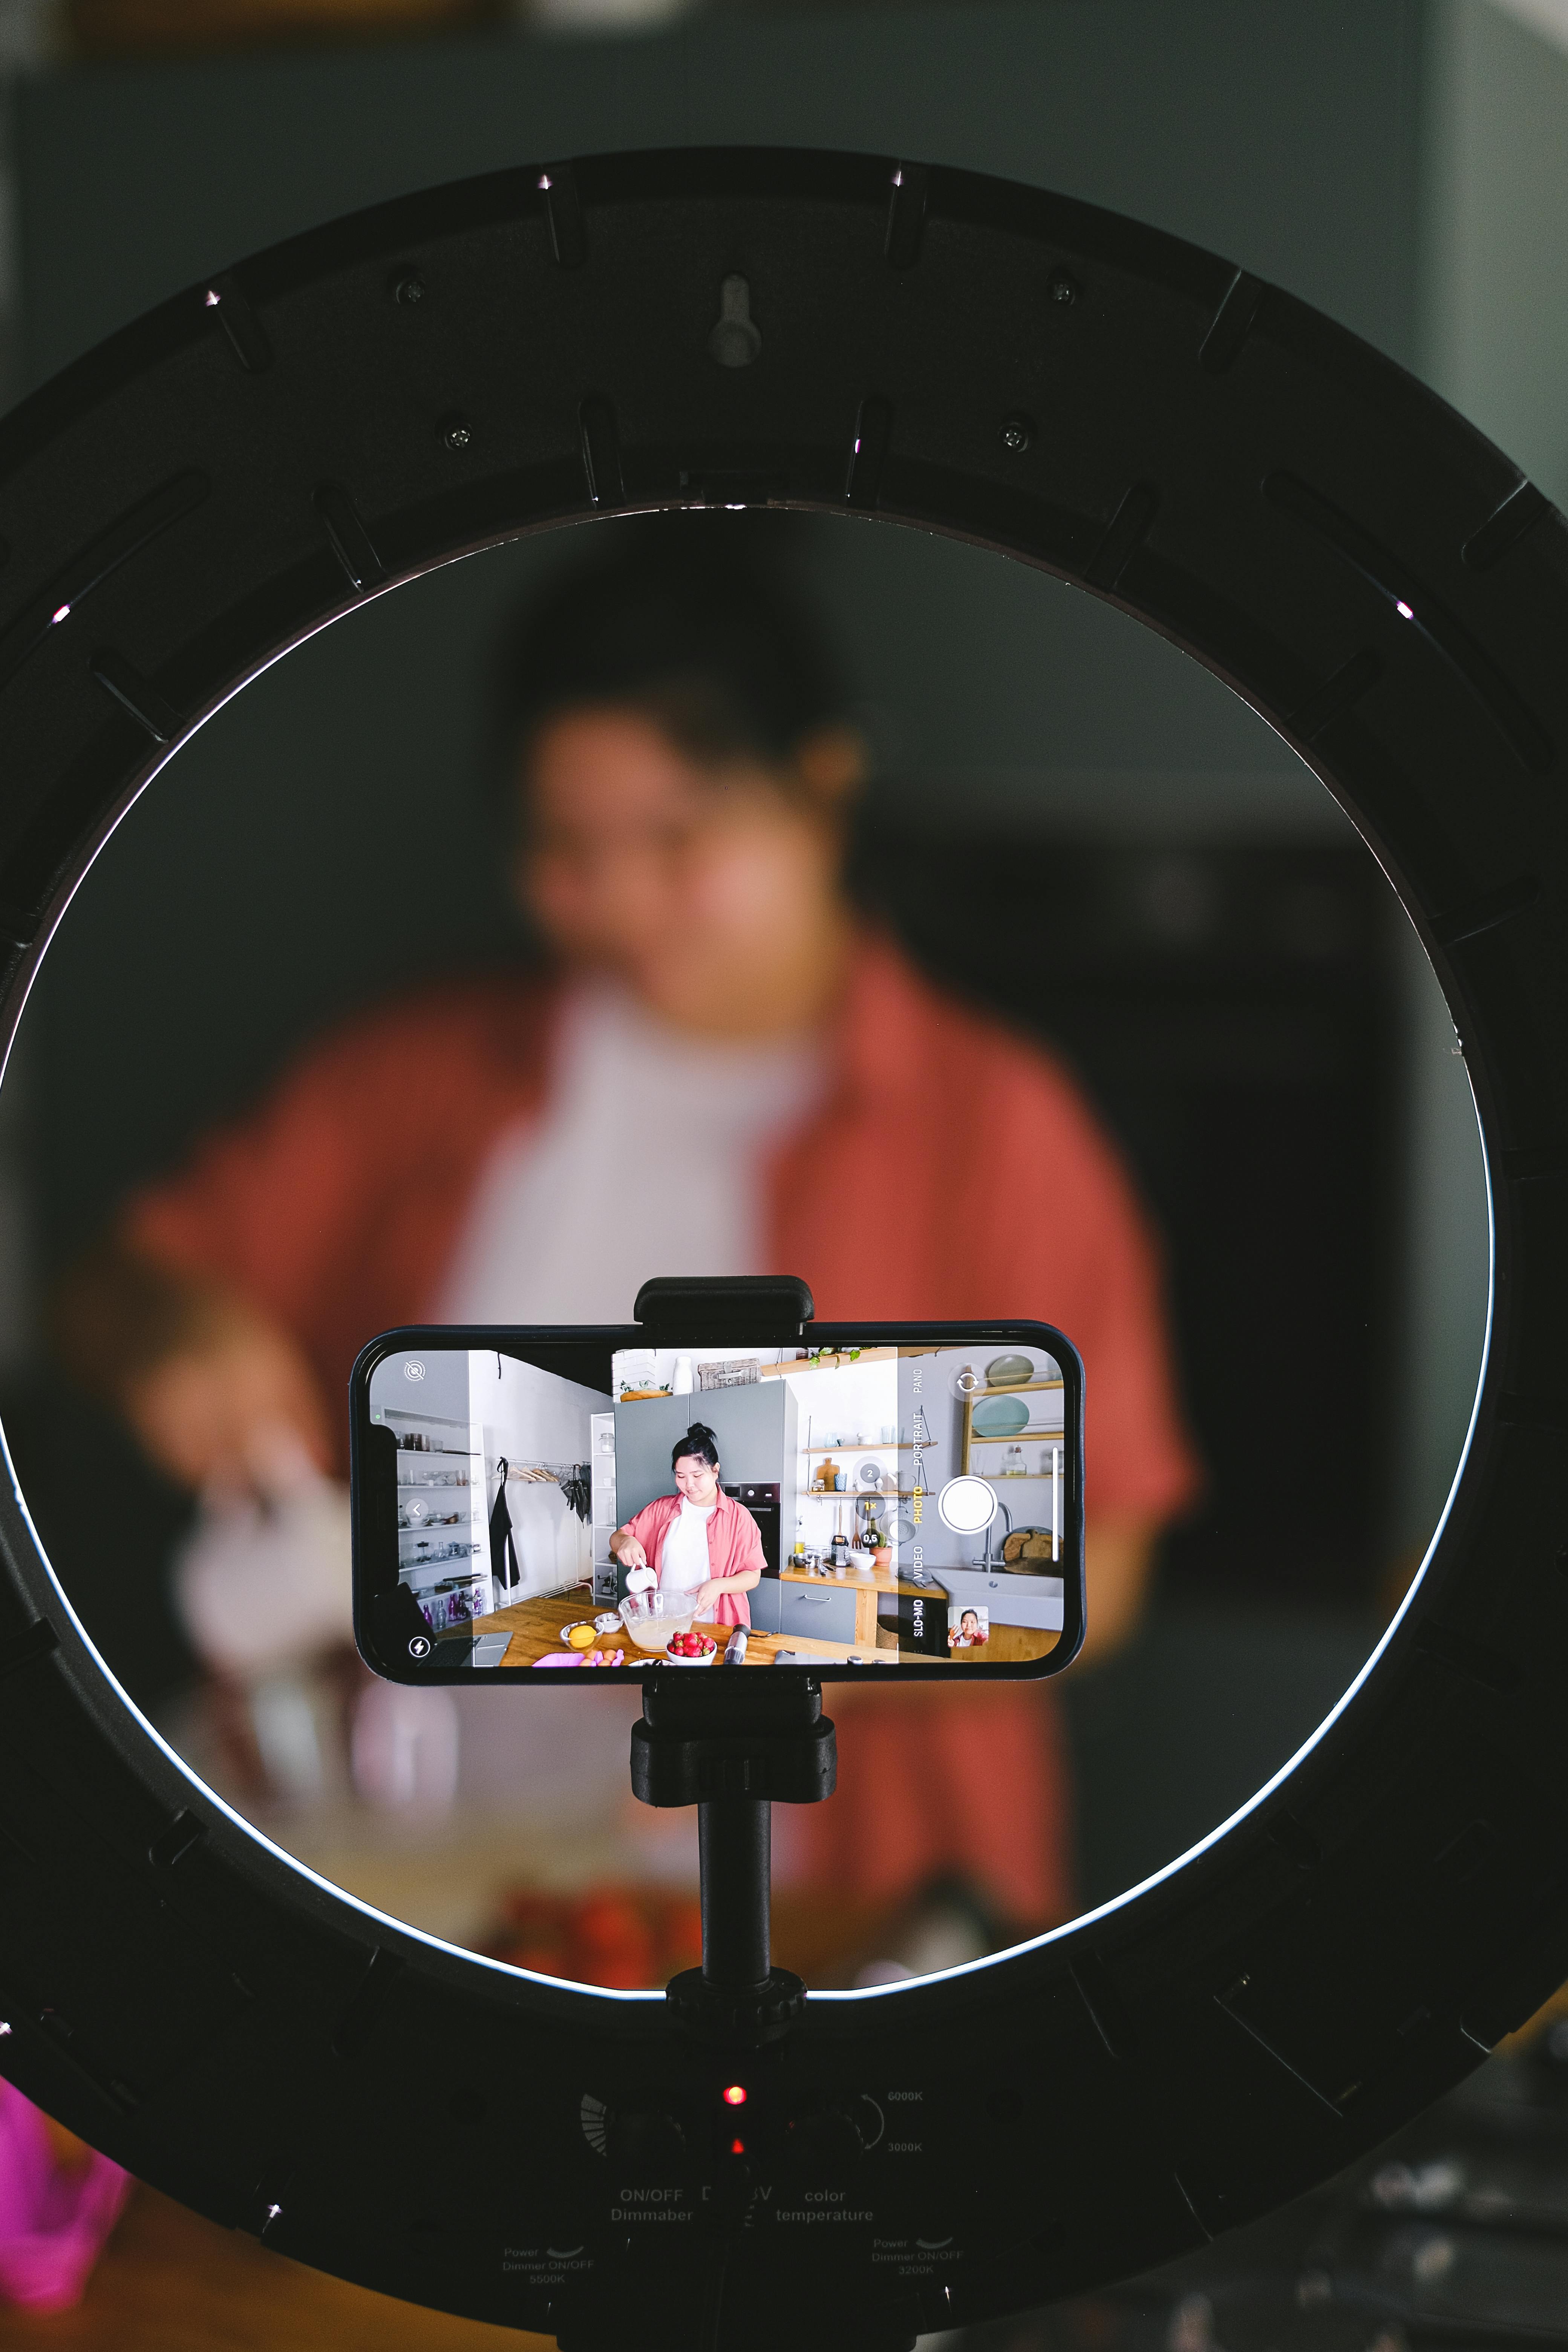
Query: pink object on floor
x=53, y=2220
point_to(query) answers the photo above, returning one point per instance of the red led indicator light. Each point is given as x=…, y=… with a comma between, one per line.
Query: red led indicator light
x=737, y=2147
x=734, y=2095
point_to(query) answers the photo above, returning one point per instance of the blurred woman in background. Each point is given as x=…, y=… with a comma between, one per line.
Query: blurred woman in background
x=727, y=1068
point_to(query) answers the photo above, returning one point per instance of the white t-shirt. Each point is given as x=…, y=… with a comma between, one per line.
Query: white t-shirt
x=684, y=1563
x=645, y=1160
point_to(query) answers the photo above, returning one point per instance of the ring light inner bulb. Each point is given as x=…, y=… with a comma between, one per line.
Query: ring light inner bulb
x=966, y=1505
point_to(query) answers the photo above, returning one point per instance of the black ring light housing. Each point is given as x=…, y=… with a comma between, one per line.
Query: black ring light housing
x=1074, y=389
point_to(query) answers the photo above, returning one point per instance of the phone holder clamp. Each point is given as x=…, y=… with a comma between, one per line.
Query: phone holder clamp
x=763, y=1307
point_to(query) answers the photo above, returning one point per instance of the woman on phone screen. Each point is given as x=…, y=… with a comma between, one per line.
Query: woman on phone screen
x=697, y=1540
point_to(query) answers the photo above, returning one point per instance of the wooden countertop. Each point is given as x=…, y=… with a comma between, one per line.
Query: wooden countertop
x=880, y=1579
x=535, y=1629
x=1010, y=1645
x=536, y=1625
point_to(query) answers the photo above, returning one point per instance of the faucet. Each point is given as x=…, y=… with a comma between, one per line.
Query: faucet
x=986, y=1560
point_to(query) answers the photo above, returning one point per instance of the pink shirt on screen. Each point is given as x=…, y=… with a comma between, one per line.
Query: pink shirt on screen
x=734, y=1546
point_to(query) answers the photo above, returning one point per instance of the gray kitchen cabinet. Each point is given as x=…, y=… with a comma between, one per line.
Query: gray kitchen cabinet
x=827, y=1616
x=764, y=1601
x=757, y=1434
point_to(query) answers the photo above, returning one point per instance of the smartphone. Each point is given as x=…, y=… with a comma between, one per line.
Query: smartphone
x=890, y=1499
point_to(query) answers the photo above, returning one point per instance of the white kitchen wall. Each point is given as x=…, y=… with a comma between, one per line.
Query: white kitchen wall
x=855, y=1400
x=531, y=1416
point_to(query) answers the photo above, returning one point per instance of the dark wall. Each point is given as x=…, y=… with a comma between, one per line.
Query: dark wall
x=1281, y=131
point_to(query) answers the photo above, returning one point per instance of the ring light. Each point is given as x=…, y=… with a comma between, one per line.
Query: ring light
x=1071, y=388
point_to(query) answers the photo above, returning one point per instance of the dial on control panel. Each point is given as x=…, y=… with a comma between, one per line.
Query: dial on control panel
x=836, y=2135
x=646, y=2140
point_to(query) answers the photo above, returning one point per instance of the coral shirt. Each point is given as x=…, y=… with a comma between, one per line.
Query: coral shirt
x=734, y=1546
x=950, y=1170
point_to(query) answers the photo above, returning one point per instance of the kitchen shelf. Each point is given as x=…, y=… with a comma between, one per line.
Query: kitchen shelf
x=1019, y=1388
x=971, y=1437
x=852, y=1494
x=872, y=1445
x=1024, y=1437
x=1019, y=1436
x=796, y=1364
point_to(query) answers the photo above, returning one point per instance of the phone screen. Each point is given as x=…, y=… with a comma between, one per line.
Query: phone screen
x=891, y=1499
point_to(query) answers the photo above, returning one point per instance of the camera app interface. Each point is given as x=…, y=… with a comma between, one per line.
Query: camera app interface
x=876, y=1506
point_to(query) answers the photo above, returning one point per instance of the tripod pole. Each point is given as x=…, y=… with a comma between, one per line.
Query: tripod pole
x=734, y=1747
x=736, y=1742
x=734, y=1840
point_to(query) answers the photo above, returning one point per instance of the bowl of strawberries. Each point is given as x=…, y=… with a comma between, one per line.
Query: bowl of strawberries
x=692, y=1649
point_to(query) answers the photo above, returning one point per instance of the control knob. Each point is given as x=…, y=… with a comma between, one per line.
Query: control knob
x=647, y=2140
x=836, y=2135
x=644, y=2141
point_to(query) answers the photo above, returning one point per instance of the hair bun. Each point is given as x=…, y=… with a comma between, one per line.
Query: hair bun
x=699, y=1443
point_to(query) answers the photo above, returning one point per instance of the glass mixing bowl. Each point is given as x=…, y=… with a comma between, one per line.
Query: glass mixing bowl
x=653, y=1619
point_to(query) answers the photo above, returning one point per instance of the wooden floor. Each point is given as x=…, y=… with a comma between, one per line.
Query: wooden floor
x=169, y=2281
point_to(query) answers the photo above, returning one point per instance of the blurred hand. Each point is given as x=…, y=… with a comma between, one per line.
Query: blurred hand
x=264, y=1581
x=230, y=1405
x=628, y=1549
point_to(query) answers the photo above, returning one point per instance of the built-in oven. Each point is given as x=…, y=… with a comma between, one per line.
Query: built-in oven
x=762, y=1502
